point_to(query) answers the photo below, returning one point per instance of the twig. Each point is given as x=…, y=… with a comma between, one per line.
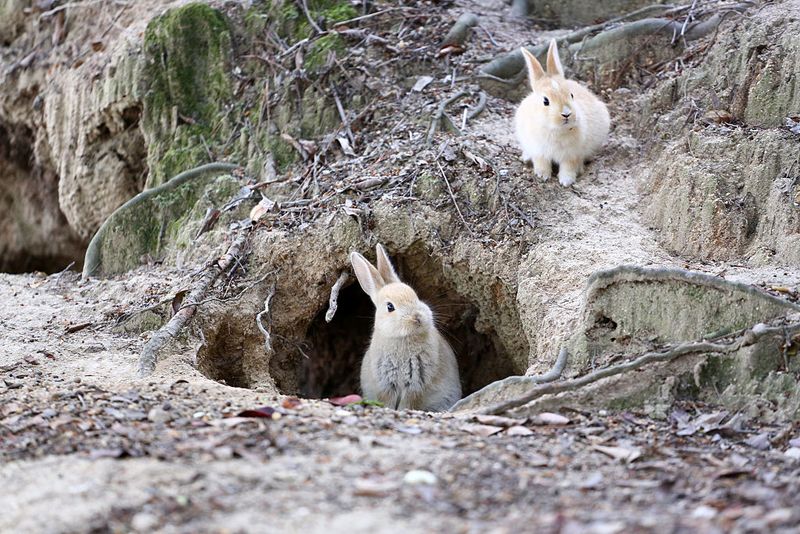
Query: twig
x=440, y=112
x=551, y=376
x=333, y=303
x=68, y=6
x=479, y=107
x=265, y=311
x=370, y=15
x=345, y=122
x=525, y=217
x=230, y=299
x=208, y=150
x=149, y=355
x=452, y=196
x=67, y=268
x=489, y=35
x=308, y=16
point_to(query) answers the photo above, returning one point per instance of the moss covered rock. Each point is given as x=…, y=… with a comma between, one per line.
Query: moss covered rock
x=185, y=87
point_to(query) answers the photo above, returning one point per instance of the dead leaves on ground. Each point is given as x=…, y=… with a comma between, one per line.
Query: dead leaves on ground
x=489, y=425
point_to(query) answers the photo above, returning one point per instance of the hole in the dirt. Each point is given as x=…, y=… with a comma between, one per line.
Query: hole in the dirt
x=335, y=349
x=225, y=362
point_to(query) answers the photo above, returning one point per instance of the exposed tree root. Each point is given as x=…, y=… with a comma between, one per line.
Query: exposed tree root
x=506, y=72
x=696, y=347
x=93, y=259
x=333, y=303
x=149, y=355
x=460, y=31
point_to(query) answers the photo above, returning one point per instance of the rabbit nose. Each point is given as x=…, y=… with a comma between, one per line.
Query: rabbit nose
x=566, y=112
x=417, y=317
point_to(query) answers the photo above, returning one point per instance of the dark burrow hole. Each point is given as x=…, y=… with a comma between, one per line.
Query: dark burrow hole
x=327, y=363
x=334, y=350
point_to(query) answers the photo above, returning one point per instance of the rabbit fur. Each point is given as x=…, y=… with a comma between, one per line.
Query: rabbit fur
x=408, y=364
x=560, y=121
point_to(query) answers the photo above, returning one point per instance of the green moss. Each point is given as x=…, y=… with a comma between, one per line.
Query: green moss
x=317, y=54
x=282, y=151
x=186, y=53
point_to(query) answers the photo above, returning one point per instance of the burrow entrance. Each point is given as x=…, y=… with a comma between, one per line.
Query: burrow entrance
x=326, y=362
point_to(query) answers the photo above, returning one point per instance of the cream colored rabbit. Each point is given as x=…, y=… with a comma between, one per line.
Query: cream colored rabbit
x=408, y=364
x=560, y=121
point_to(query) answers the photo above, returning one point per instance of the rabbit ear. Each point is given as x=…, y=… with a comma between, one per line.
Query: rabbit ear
x=553, y=61
x=535, y=70
x=385, y=266
x=368, y=276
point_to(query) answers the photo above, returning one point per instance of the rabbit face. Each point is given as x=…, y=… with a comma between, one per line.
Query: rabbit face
x=556, y=101
x=400, y=313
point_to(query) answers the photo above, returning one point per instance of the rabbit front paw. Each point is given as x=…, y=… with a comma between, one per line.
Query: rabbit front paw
x=543, y=168
x=566, y=179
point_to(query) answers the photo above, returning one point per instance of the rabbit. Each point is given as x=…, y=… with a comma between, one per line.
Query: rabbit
x=408, y=364
x=560, y=121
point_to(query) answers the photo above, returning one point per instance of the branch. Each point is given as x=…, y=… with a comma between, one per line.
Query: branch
x=93, y=259
x=440, y=112
x=264, y=312
x=333, y=303
x=149, y=355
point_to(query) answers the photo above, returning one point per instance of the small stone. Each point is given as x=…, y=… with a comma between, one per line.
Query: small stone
x=49, y=413
x=420, y=476
x=159, y=416
x=144, y=522
x=793, y=452
x=704, y=512
x=166, y=405
x=342, y=413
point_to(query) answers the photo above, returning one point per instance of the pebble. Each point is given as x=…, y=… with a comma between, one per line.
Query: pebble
x=144, y=522
x=793, y=452
x=159, y=416
x=342, y=413
x=704, y=512
x=420, y=476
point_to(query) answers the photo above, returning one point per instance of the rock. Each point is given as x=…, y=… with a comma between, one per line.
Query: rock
x=159, y=416
x=419, y=476
x=145, y=522
x=793, y=452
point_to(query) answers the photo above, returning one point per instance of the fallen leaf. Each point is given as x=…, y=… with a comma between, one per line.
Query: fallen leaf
x=477, y=160
x=77, y=327
x=230, y=422
x=10, y=408
x=548, y=418
x=496, y=420
x=619, y=453
x=450, y=50
x=481, y=430
x=264, y=411
x=519, y=431
x=408, y=429
x=177, y=300
x=344, y=401
x=368, y=487
x=292, y=403
x=422, y=83
x=717, y=116
x=759, y=441
x=31, y=360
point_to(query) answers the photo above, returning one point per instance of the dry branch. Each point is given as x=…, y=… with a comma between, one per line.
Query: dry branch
x=267, y=336
x=149, y=354
x=333, y=303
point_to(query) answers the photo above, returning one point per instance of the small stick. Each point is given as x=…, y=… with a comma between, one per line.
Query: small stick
x=67, y=268
x=208, y=150
x=265, y=311
x=345, y=122
x=333, y=303
x=452, y=196
x=479, y=107
x=308, y=16
x=525, y=217
x=440, y=112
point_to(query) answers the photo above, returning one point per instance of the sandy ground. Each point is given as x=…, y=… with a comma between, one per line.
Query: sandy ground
x=88, y=447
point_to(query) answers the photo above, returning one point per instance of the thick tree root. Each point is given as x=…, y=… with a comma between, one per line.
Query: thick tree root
x=697, y=347
x=93, y=259
x=149, y=355
x=460, y=31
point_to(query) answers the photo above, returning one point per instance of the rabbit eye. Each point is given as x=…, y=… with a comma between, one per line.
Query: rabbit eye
x=390, y=307
x=571, y=95
x=546, y=101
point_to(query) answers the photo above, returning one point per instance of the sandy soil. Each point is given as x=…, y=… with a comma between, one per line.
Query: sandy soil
x=88, y=447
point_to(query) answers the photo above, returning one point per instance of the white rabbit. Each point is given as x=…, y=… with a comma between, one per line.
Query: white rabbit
x=560, y=121
x=408, y=364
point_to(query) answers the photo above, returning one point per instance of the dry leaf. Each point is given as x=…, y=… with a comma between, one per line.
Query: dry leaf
x=496, y=420
x=619, y=453
x=519, y=431
x=292, y=403
x=547, y=418
x=477, y=160
x=481, y=430
x=422, y=83
x=344, y=401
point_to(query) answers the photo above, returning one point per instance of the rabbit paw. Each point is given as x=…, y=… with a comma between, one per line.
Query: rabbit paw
x=543, y=168
x=566, y=178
